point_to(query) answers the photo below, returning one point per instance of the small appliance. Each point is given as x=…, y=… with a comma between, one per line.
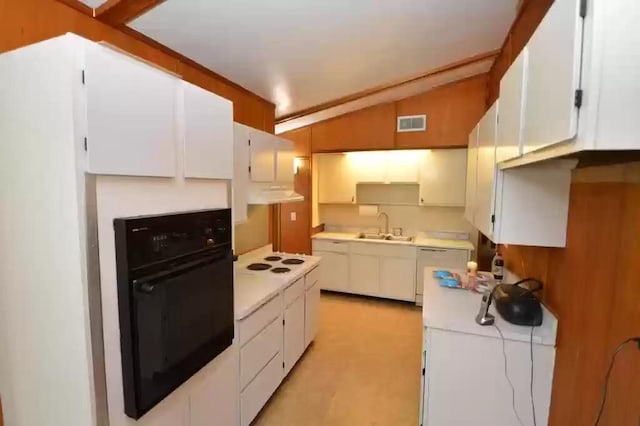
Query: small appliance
x=519, y=305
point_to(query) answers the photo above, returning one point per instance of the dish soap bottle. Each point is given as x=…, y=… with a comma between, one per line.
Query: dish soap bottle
x=497, y=267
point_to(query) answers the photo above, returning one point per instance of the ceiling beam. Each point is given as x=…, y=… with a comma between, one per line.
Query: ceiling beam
x=78, y=5
x=120, y=12
x=491, y=55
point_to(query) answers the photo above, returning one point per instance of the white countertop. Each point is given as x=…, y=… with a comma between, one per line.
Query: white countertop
x=253, y=289
x=456, y=309
x=418, y=241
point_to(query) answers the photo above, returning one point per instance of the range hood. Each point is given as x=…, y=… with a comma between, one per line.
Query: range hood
x=272, y=194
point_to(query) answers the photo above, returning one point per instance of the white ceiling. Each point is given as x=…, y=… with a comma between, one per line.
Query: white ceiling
x=301, y=53
x=93, y=3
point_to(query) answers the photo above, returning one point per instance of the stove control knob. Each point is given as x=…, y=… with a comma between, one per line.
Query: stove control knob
x=210, y=242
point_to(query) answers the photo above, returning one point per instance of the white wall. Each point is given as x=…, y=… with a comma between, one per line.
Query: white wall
x=412, y=219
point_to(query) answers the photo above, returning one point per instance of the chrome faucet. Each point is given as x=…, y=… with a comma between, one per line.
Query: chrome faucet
x=386, y=222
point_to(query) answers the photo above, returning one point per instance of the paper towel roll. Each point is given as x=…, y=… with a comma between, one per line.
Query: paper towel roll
x=368, y=210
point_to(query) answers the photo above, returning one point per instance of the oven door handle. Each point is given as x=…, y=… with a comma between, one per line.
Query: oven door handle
x=148, y=283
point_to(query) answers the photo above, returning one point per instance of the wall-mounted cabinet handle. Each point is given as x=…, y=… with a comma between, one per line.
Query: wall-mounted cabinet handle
x=353, y=199
x=433, y=250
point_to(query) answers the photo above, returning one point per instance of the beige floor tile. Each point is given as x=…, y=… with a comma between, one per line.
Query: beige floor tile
x=363, y=368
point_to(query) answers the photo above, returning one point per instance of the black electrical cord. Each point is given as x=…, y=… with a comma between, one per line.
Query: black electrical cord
x=605, y=389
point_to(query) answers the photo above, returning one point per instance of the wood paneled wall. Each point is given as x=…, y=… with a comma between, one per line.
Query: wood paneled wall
x=452, y=111
x=592, y=284
x=25, y=22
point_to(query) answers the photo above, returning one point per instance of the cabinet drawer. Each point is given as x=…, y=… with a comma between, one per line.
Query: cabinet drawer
x=259, y=350
x=331, y=245
x=258, y=320
x=383, y=249
x=312, y=277
x=253, y=398
x=294, y=291
x=445, y=258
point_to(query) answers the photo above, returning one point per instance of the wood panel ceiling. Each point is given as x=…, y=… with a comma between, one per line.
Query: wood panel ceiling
x=303, y=53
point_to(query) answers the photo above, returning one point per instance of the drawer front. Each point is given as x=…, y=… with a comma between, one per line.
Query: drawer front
x=257, y=321
x=312, y=277
x=331, y=245
x=445, y=258
x=253, y=398
x=294, y=291
x=383, y=249
x=259, y=350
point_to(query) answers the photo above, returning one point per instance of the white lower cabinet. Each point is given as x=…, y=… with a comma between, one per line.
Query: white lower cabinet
x=294, y=317
x=214, y=401
x=258, y=392
x=311, y=305
x=334, y=270
x=369, y=268
x=363, y=274
x=398, y=278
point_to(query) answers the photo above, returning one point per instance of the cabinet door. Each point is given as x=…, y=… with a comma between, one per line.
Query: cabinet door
x=334, y=270
x=131, y=110
x=240, y=172
x=472, y=175
x=367, y=166
x=214, y=398
x=485, y=185
x=512, y=98
x=311, y=313
x=555, y=51
x=402, y=166
x=285, y=158
x=208, y=134
x=336, y=180
x=293, y=333
x=364, y=274
x=398, y=278
x=443, y=177
x=262, y=156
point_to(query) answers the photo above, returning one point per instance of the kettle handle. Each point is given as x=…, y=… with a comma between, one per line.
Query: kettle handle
x=538, y=287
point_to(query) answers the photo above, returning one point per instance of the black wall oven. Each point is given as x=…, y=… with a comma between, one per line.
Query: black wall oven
x=175, y=300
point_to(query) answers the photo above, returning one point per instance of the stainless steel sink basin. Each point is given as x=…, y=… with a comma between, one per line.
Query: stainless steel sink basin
x=366, y=236
x=398, y=238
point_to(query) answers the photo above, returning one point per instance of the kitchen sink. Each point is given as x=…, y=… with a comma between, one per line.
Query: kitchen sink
x=384, y=237
x=398, y=238
x=366, y=236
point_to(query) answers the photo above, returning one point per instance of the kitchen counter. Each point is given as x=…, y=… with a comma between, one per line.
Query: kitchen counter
x=417, y=242
x=455, y=310
x=253, y=289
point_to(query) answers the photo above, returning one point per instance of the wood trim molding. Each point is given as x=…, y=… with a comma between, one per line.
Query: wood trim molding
x=120, y=12
x=78, y=5
x=151, y=42
x=364, y=93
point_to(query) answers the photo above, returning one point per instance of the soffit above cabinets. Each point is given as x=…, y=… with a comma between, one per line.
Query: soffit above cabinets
x=302, y=53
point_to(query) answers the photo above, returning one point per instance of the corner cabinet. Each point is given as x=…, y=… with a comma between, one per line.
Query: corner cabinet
x=336, y=179
x=484, y=197
x=240, y=181
x=443, y=177
x=472, y=176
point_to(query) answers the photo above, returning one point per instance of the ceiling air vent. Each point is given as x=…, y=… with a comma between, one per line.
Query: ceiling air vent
x=412, y=123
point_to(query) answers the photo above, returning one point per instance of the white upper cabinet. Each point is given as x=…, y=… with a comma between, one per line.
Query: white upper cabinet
x=512, y=99
x=443, y=177
x=285, y=159
x=385, y=166
x=486, y=172
x=336, y=179
x=240, y=183
x=555, y=50
x=472, y=168
x=262, y=156
x=131, y=115
x=208, y=134
x=402, y=166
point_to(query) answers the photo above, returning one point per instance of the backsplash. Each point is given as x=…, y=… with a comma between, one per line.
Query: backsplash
x=254, y=232
x=412, y=219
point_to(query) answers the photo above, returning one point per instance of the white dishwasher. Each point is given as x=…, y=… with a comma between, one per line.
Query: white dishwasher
x=439, y=258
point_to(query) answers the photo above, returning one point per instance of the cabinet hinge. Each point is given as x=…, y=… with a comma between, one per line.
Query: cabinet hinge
x=82, y=76
x=283, y=365
x=249, y=169
x=85, y=144
x=282, y=322
x=578, y=98
x=583, y=8
x=423, y=371
x=249, y=142
x=493, y=218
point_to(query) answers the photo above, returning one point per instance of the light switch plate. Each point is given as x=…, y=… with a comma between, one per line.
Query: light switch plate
x=294, y=216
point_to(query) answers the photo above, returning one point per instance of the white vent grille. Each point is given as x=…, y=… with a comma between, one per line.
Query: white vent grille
x=412, y=123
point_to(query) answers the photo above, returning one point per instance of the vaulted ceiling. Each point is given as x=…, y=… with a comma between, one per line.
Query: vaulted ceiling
x=302, y=53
